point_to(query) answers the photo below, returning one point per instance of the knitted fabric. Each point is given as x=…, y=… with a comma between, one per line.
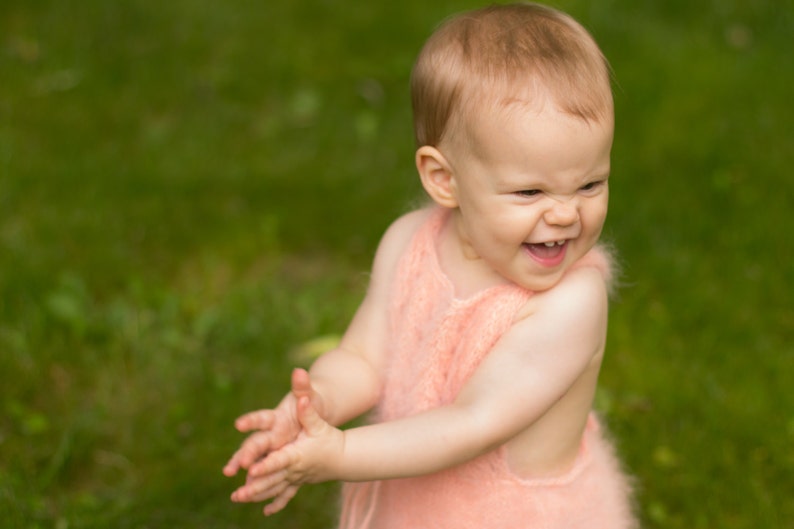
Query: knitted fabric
x=437, y=342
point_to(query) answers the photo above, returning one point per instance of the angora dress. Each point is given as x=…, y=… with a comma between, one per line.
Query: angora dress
x=437, y=343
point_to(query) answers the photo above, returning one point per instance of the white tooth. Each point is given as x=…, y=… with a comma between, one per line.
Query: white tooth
x=548, y=244
x=560, y=243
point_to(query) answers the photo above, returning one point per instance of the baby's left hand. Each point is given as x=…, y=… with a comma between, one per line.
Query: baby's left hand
x=312, y=458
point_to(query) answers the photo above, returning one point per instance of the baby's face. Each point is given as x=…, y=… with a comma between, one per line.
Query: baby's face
x=532, y=190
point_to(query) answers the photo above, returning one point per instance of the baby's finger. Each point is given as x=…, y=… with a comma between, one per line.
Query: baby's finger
x=301, y=383
x=232, y=466
x=261, y=489
x=309, y=418
x=255, y=420
x=255, y=447
x=281, y=500
x=235, y=463
x=274, y=462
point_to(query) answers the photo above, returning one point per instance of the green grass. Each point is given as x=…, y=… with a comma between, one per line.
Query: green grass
x=190, y=189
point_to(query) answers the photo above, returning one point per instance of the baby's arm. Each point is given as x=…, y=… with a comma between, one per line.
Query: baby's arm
x=343, y=383
x=349, y=378
x=529, y=370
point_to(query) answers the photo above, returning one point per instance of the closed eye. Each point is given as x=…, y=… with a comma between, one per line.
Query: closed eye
x=592, y=186
x=528, y=192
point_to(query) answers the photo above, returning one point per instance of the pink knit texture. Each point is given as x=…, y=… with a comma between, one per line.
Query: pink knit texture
x=436, y=343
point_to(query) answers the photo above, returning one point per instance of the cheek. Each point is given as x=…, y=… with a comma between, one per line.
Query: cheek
x=596, y=216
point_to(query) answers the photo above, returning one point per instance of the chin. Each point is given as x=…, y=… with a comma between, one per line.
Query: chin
x=541, y=284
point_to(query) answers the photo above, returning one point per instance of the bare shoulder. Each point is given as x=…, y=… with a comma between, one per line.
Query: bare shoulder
x=397, y=237
x=577, y=305
x=583, y=287
x=392, y=245
x=405, y=226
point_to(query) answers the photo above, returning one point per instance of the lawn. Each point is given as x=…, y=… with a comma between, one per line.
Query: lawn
x=189, y=190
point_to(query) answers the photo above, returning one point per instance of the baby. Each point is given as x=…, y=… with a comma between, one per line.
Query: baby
x=480, y=339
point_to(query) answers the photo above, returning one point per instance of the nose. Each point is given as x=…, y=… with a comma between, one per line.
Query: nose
x=561, y=213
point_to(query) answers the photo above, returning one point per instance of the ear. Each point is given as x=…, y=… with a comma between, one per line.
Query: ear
x=437, y=176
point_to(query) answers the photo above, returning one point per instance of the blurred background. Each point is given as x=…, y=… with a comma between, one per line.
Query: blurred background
x=189, y=190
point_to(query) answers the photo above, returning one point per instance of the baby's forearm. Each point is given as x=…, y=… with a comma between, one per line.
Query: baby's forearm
x=413, y=446
x=347, y=384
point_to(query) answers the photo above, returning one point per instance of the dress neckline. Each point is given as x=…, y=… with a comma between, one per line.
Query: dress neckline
x=431, y=236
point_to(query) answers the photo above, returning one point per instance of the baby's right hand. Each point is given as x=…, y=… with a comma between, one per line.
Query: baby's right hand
x=272, y=428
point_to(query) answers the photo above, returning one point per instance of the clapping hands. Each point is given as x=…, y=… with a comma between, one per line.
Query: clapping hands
x=290, y=445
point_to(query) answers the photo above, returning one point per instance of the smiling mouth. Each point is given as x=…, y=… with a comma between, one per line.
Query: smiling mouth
x=547, y=252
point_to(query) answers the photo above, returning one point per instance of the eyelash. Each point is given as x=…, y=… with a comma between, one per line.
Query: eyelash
x=534, y=192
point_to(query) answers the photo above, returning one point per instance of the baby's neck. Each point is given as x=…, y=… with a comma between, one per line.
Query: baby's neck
x=467, y=272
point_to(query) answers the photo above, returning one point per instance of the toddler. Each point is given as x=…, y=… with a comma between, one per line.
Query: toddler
x=479, y=342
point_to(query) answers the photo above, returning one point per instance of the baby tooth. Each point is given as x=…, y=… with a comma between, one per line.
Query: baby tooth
x=549, y=244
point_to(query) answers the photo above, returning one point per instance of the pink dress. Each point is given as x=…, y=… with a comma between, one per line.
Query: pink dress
x=437, y=343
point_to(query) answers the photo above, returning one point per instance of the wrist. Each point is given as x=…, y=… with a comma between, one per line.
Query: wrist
x=338, y=461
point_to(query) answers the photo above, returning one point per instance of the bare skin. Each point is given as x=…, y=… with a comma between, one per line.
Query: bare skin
x=527, y=221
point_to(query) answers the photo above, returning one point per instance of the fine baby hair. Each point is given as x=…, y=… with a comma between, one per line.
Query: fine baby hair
x=505, y=53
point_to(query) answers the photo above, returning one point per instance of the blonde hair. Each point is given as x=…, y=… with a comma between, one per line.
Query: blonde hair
x=498, y=53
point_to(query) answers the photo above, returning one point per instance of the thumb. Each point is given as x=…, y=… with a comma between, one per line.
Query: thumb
x=302, y=387
x=301, y=383
x=310, y=420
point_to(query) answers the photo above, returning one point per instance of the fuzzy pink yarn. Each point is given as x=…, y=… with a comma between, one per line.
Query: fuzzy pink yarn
x=437, y=341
